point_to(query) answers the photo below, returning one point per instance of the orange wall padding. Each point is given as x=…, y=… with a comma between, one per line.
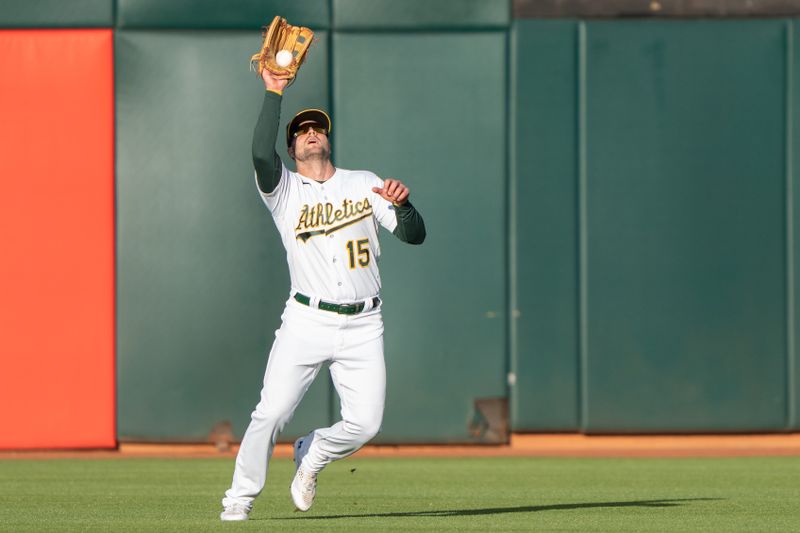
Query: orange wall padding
x=56, y=239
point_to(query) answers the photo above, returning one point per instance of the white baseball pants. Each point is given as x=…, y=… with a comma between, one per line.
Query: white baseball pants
x=307, y=338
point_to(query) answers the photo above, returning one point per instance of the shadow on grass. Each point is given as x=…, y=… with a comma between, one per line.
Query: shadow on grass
x=503, y=510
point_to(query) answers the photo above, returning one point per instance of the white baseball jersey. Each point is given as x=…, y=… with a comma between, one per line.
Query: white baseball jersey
x=330, y=232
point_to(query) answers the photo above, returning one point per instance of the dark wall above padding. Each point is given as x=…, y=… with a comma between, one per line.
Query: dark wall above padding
x=56, y=13
x=420, y=14
x=653, y=8
x=213, y=14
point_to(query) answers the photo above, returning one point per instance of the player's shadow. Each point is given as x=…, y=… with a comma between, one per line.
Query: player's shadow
x=521, y=509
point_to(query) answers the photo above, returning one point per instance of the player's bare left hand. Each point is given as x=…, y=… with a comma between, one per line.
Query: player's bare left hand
x=393, y=190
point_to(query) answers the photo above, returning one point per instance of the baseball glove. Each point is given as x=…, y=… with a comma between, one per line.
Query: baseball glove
x=280, y=36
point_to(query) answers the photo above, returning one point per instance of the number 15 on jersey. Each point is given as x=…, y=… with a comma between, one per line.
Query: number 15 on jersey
x=358, y=252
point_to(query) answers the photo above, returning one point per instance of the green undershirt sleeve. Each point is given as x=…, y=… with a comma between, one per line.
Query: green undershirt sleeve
x=410, y=226
x=265, y=158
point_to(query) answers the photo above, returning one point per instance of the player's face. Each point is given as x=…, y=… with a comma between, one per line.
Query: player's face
x=311, y=143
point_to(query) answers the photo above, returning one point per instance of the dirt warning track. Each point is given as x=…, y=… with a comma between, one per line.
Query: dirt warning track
x=539, y=445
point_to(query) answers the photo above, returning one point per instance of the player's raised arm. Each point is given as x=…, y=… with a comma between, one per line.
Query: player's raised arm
x=410, y=226
x=265, y=159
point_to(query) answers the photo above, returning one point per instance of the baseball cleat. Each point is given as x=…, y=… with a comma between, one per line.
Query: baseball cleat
x=235, y=512
x=304, y=484
x=303, y=489
x=301, y=447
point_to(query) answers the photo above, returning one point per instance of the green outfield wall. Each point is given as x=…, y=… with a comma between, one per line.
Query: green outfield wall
x=656, y=290
x=611, y=209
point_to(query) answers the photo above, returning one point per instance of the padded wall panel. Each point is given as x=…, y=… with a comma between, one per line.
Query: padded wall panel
x=56, y=13
x=685, y=263
x=420, y=14
x=544, y=169
x=57, y=233
x=230, y=14
x=202, y=272
x=428, y=120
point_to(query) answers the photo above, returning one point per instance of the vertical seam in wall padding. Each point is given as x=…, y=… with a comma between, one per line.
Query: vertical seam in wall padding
x=332, y=396
x=114, y=291
x=511, y=221
x=790, y=263
x=583, y=365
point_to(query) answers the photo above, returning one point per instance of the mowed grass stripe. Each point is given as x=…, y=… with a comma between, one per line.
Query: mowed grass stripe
x=380, y=494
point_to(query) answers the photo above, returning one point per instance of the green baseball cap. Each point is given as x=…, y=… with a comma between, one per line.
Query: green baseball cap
x=304, y=118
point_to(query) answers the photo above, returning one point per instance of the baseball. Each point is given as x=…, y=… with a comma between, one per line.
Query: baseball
x=283, y=58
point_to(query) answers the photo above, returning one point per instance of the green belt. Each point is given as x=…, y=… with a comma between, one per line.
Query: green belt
x=342, y=309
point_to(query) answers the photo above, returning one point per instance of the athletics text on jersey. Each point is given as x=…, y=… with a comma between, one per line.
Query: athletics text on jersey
x=324, y=219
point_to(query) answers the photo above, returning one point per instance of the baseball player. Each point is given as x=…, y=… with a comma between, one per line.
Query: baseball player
x=328, y=220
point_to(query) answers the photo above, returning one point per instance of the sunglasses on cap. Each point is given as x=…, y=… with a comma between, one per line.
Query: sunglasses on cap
x=304, y=129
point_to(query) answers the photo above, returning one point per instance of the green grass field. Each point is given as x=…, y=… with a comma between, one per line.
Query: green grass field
x=378, y=494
